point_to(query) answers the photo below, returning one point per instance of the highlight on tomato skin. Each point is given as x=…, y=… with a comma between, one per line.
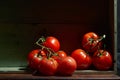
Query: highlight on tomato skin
x=83, y=59
x=102, y=60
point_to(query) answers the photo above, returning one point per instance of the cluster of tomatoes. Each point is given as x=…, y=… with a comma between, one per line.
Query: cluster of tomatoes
x=50, y=60
x=93, y=53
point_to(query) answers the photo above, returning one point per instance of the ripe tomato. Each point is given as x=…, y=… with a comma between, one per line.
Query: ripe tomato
x=34, y=57
x=59, y=55
x=91, y=42
x=82, y=58
x=52, y=42
x=102, y=60
x=67, y=66
x=48, y=66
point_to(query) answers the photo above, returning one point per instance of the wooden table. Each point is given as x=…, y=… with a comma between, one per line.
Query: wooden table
x=29, y=76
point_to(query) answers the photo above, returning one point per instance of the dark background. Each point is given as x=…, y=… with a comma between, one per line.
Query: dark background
x=118, y=24
x=118, y=18
x=22, y=22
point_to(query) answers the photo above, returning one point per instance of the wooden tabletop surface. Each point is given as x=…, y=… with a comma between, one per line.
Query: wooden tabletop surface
x=21, y=76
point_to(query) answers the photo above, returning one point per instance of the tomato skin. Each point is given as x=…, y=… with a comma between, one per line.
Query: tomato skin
x=90, y=42
x=34, y=57
x=48, y=66
x=33, y=64
x=52, y=42
x=102, y=60
x=82, y=58
x=62, y=54
x=32, y=54
x=67, y=66
x=59, y=55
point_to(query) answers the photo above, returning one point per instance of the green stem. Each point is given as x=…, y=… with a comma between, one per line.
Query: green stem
x=49, y=50
x=102, y=37
x=90, y=41
x=99, y=40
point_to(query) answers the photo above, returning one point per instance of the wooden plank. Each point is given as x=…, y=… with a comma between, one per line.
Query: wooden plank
x=73, y=77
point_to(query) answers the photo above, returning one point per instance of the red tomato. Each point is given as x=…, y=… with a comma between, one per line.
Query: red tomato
x=48, y=66
x=59, y=55
x=34, y=57
x=91, y=42
x=82, y=58
x=67, y=66
x=102, y=60
x=52, y=42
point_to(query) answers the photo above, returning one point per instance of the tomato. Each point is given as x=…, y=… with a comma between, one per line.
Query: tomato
x=91, y=42
x=48, y=66
x=34, y=57
x=67, y=66
x=59, y=55
x=102, y=60
x=82, y=58
x=52, y=42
